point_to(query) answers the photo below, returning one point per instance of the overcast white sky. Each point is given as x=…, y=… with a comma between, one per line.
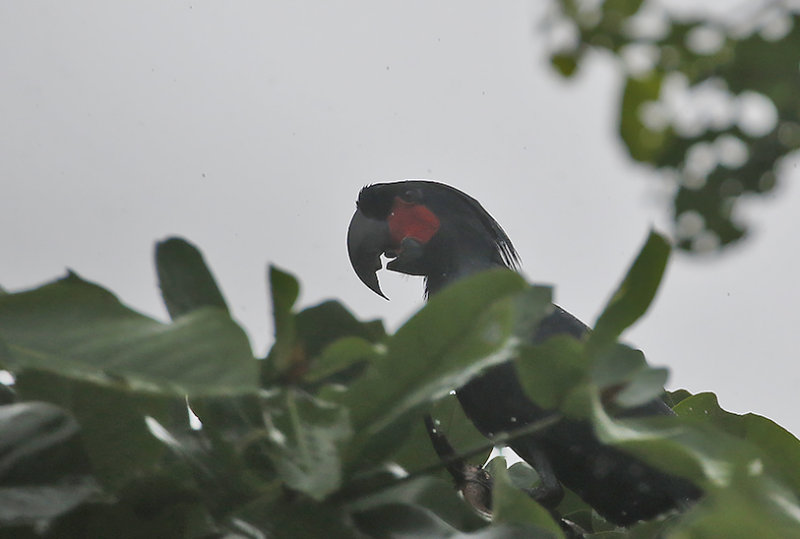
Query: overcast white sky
x=249, y=127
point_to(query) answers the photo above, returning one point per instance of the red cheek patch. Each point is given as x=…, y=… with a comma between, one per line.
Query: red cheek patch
x=409, y=220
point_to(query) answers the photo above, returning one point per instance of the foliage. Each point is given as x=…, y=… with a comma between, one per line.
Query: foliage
x=713, y=103
x=96, y=439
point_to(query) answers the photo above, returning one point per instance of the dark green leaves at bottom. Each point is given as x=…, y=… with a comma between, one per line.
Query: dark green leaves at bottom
x=44, y=470
x=513, y=506
x=112, y=422
x=305, y=437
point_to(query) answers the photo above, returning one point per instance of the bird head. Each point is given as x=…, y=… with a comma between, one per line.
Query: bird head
x=425, y=228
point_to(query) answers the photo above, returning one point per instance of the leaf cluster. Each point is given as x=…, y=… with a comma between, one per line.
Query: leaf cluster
x=712, y=103
x=118, y=425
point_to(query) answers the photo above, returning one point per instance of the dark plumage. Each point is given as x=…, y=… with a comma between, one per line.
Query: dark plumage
x=438, y=232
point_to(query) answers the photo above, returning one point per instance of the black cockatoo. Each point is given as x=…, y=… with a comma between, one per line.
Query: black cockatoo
x=436, y=231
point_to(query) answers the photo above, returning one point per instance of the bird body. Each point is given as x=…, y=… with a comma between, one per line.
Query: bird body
x=438, y=232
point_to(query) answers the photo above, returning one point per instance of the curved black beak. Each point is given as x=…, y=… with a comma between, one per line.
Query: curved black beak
x=367, y=239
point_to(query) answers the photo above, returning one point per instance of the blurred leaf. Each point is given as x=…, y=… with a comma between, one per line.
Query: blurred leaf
x=402, y=520
x=305, y=438
x=565, y=63
x=285, y=289
x=779, y=448
x=437, y=495
x=687, y=90
x=306, y=350
x=687, y=446
x=279, y=517
x=340, y=356
x=7, y=395
x=548, y=371
x=625, y=379
x=617, y=365
x=152, y=506
x=531, y=306
x=473, y=322
x=334, y=343
x=185, y=280
x=645, y=386
x=116, y=438
x=321, y=325
x=643, y=144
x=416, y=452
x=634, y=294
x=622, y=8
x=522, y=475
x=80, y=330
x=753, y=507
x=511, y=505
x=44, y=471
x=231, y=417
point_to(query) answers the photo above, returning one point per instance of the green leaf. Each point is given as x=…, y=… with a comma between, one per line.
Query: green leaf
x=625, y=379
x=548, y=371
x=281, y=518
x=340, y=356
x=301, y=351
x=78, y=329
x=643, y=144
x=435, y=494
x=622, y=8
x=522, y=475
x=690, y=446
x=464, y=329
x=402, y=520
x=152, y=506
x=634, y=294
x=415, y=451
x=753, y=506
x=513, y=506
x=278, y=517
x=333, y=342
x=44, y=469
x=185, y=280
x=565, y=63
x=617, y=365
x=285, y=289
x=674, y=397
x=778, y=447
x=647, y=385
x=305, y=438
x=321, y=325
x=112, y=421
x=530, y=307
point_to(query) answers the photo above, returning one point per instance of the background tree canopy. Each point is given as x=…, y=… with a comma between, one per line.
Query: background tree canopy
x=712, y=104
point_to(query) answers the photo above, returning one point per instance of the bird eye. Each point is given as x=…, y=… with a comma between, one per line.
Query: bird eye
x=412, y=195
